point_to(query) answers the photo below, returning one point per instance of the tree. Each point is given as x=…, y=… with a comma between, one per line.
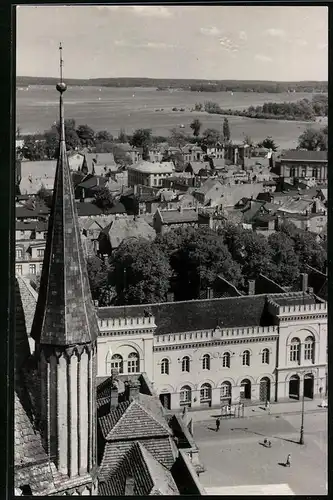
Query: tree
x=250, y=250
x=226, y=130
x=45, y=195
x=196, y=126
x=103, y=198
x=211, y=137
x=178, y=138
x=122, y=137
x=142, y=138
x=286, y=265
x=268, y=143
x=98, y=274
x=33, y=149
x=197, y=256
x=104, y=147
x=142, y=272
x=86, y=135
x=309, y=251
x=313, y=140
x=51, y=143
x=103, y=136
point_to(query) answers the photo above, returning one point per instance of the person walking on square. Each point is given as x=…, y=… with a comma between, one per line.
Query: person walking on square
x=288, y=462
x=217, y=424
x=268, y=406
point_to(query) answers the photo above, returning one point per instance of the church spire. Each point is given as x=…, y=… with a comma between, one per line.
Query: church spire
x=65, y=315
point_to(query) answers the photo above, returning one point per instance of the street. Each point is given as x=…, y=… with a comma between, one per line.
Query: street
x=235, y=455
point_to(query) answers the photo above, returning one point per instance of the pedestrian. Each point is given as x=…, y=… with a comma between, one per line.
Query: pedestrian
x=217, y=424
x=268, y=406
x=288, y=462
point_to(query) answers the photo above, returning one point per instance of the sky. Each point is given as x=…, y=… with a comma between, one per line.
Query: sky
x=206, y=42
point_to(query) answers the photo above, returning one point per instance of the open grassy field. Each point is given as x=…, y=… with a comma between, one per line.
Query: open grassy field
x=131, y=108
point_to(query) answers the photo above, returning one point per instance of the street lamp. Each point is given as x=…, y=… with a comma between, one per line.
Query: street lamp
x=301, y=437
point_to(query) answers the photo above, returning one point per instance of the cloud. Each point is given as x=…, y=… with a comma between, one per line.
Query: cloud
x=211, y=31
x=228, y=45
x=275, y=32
x=243, y=35
x=143, y=45
x=300, y=42
x=262, y=58
x=151, y=11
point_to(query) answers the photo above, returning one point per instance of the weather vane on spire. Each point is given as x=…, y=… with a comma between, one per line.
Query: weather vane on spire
x=61, y=86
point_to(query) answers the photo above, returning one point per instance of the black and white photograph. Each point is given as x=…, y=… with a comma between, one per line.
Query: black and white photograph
x=171, y=282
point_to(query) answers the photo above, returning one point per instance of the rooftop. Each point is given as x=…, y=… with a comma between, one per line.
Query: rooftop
x=153, y=167
x=178, y=216
x=302, y=155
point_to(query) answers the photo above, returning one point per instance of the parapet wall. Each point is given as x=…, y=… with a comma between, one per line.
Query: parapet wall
x=112, y=324
x=291, y=310
x=216, y=334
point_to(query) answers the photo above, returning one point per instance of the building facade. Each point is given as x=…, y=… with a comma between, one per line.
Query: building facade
x=303, y=164
x=208, y=357
x=149, y=174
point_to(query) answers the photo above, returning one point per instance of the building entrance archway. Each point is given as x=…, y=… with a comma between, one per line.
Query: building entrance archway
x=308, y=386
x=245, y=389
x=294, y=387
x=265, y=389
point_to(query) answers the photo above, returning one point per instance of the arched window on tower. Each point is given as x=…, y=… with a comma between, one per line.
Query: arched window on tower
x=246, y=358
x=165, y=366
x=265, y=357
x=133, y=363
x=295, y=349
x=206, y=362
x=309, y=345
x=185, y=364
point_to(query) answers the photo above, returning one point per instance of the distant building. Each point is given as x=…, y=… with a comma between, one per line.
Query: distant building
x=192, y=153
x=149, y=173
x=99, y=164
x=165, y=220
x=123, y=228
x=302, y=164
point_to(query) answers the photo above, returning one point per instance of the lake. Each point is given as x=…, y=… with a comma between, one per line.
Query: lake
x=131, y=108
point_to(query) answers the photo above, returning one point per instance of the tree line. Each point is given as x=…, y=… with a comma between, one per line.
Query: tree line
x=302, y=110
x=188, y=260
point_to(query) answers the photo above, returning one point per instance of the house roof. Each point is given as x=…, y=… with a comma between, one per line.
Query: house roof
x=133, y=420
x=186, y=316
x=303, y=155
x=300, y=205
x=153, y=167
x=208, y=185
x=295, y=299
x=188, y=148
x=86, y=209
x=198, y=165
x=31, y=226
x=26, y=212
x=178, y=216
x=92, y=182
x=100, y=159
x=124, y=228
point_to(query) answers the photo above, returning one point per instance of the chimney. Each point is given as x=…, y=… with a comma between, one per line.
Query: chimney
x=114, y=389
x=170, y=297
x=251, y=287
x=129, y=486
x=134, y=389
x=209, y=293
x=304, y=282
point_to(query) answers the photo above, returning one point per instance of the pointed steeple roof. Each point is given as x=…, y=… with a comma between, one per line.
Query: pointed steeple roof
x=64, y=314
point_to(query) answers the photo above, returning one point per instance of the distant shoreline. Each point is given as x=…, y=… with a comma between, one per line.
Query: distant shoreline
x=194, y=85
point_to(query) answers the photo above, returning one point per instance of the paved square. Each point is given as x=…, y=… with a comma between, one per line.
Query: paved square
x=235, y=456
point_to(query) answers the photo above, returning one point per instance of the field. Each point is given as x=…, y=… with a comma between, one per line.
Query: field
x=131, y=108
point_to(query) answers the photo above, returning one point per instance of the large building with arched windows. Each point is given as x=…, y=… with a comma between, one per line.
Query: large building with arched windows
x=214, y=352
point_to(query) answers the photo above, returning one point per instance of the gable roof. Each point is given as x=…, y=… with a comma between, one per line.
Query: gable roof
x=124, y=228
x=94, y=181
x=86, y=209
x=178, y=216
x=193, y=315
x=132, y=420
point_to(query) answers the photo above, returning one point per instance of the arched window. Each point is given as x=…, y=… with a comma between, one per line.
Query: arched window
x=265, y=356
x=185, y=364
x=133, y=363
x=185, y=395
x=206, y=362
x=117, y=363
x=165, y=366
x=205, y=393
x=226, y=390
x=295, y=349
x=246, y=358
x=226, y=360
x=309, y=348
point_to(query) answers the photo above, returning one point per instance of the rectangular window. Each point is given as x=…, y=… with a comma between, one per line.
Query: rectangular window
x=19, y=253
x=45, y=235
x=18, y=269
x=40, y=267
x=40, y=252
x=32, y=268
